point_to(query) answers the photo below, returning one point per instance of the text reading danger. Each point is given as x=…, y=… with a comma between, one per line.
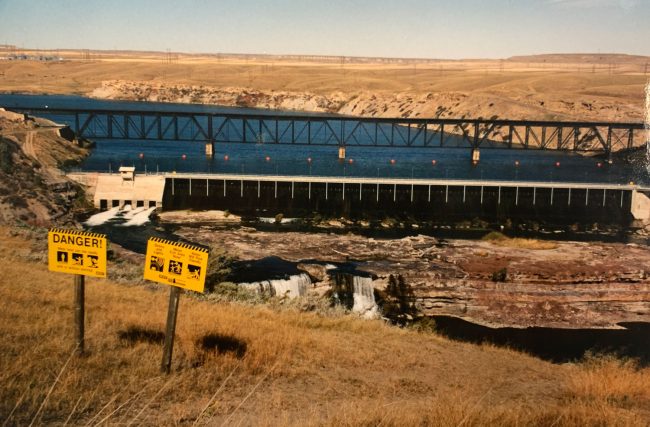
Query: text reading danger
x=77, y=240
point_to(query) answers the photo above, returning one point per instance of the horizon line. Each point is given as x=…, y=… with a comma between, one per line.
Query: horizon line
x=13, y=49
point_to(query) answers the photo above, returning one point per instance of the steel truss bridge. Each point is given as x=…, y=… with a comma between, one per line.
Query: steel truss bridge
x=343, y=131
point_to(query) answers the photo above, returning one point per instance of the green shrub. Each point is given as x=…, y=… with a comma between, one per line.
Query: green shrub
x=219, y=267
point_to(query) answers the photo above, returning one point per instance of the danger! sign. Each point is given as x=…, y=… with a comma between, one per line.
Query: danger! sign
x=176, y=264
x=76, y=252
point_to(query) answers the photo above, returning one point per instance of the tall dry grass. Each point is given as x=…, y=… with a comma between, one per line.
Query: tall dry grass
x=255, y=365
x=610, y=381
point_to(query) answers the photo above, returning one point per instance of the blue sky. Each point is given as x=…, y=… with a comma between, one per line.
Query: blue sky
x=404, y=28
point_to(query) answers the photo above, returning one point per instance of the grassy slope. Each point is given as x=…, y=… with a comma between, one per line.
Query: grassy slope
x=277, y=366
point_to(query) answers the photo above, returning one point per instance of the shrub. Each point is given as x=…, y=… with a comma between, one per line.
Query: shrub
x=6, y=159
x=231, y=292
x=219, y=267
x=396, y=301
x=500, y=275
x=494, y=235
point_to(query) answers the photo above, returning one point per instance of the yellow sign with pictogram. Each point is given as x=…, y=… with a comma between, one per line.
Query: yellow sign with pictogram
x=176, y=264
x=76, y=252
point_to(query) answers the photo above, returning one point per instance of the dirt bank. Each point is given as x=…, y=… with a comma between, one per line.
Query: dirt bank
x=33, y=190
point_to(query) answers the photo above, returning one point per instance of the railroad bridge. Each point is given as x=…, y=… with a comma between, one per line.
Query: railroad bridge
x=342, y=131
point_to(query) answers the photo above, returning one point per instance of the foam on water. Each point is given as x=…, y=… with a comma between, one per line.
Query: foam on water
x=126, y=216
x=138, y=217
x=130, y=212
x=102, y=217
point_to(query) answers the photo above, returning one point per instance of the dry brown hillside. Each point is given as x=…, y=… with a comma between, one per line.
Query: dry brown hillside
x=549, y=87
x=33, y=190
x=271, y=365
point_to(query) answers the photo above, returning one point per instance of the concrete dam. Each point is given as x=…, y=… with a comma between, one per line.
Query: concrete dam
x=373, y=198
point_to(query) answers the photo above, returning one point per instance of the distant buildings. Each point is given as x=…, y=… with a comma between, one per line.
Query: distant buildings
x=23, y=57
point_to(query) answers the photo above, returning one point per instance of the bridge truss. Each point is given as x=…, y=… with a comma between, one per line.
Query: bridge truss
x=596, y=137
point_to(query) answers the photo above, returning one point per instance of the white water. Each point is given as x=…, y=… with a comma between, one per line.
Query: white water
x=293, y=287
x=364, y=298
x=130, y=217
x=137, y=217
x=103, y=217
x=129, y=212
x=272, y=220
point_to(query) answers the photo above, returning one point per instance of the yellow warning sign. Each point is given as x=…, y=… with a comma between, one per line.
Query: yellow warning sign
x=176, y=264
x=76, y=252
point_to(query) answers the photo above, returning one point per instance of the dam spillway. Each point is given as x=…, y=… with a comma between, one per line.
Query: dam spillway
x=357, y=197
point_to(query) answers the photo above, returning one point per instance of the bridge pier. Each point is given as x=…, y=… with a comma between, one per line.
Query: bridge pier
x=476, y=156
x=209, y=149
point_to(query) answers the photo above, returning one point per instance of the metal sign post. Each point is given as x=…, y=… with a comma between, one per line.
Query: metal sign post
x=179, y=265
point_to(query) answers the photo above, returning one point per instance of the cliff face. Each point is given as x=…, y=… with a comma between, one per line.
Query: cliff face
x=33, y=189
x=567, y=285
x=496, y=103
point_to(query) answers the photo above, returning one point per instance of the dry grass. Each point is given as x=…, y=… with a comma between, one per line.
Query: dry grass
x=610, y=381
x=499, y=239
x=242, y=365
x=506, y=89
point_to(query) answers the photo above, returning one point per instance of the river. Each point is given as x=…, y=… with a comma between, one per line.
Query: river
x=266, y=158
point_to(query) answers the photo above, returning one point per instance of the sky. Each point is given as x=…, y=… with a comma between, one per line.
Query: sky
x=450, y=29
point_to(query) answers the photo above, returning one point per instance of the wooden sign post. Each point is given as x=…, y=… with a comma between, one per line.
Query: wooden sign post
x=170, y=329
x=82, y=254
x=79, y=311
x=179, y=265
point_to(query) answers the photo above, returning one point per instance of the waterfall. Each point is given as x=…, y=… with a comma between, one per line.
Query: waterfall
x=356, y=294
x=292, y=287
x=364, y=297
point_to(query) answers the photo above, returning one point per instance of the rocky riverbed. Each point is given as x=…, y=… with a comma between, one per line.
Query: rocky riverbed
x=566, y=285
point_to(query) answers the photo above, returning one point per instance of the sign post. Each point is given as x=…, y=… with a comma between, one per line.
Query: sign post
x=82, y=254
x=79, y=309
x=179, y=265
x=170, y=329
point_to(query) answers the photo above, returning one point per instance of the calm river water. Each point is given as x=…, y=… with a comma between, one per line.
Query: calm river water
x=265, y=158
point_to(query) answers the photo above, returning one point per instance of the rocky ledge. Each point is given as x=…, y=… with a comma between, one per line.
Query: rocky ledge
x=568, y=285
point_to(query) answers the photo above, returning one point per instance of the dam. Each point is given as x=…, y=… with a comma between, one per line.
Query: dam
x=421, y=199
